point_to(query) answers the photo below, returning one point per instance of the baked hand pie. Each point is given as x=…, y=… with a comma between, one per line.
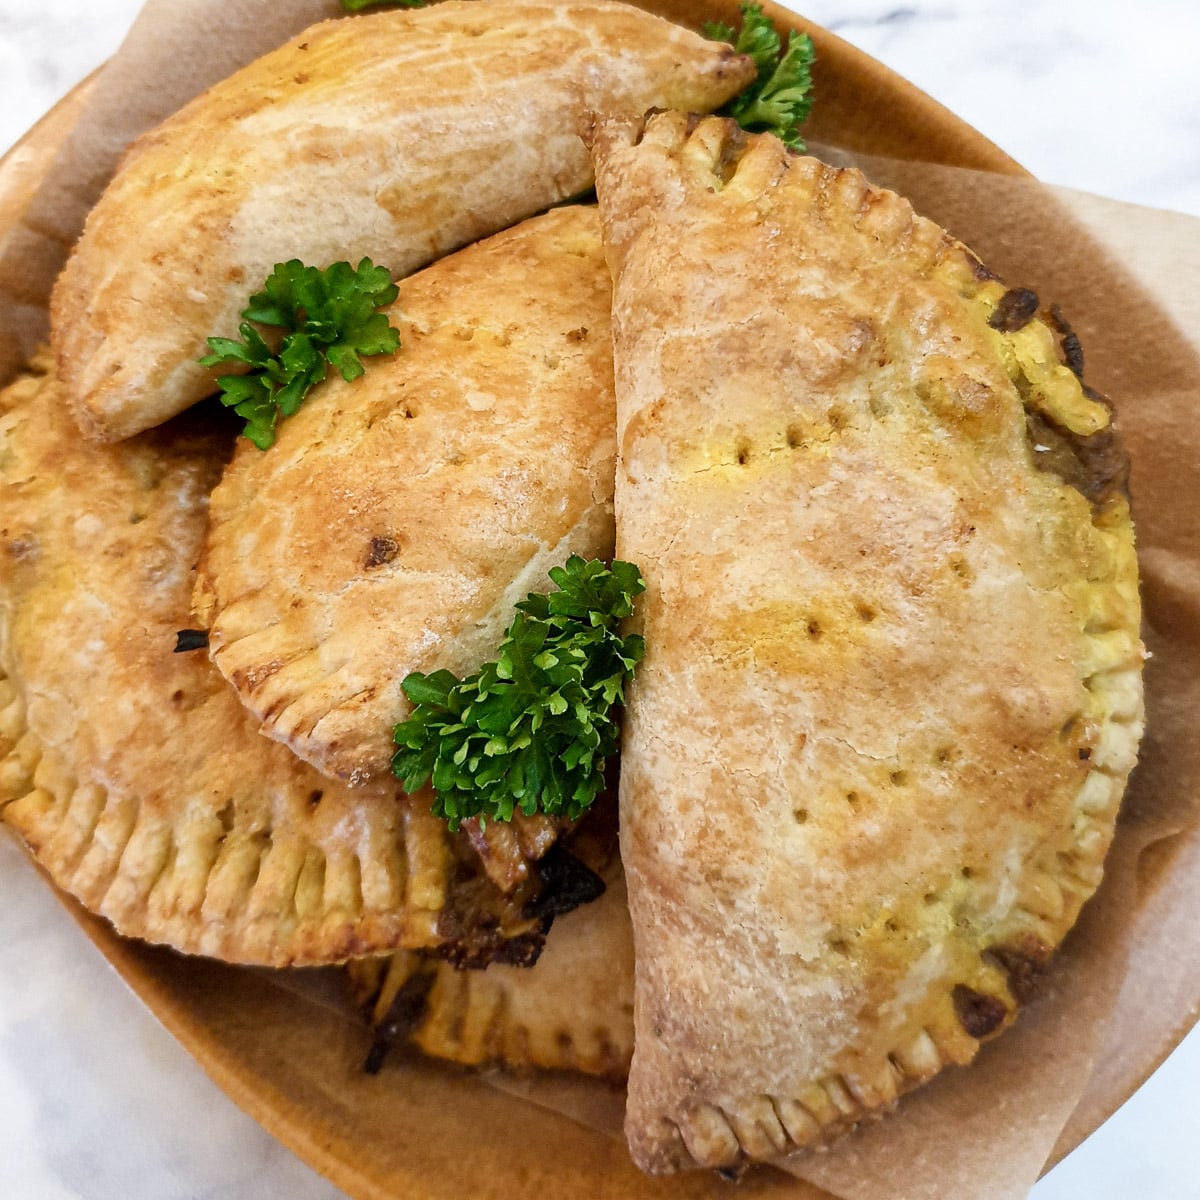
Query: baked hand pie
x=398, y=135
x=891, y=694
x=399, y=518
x=134, y=775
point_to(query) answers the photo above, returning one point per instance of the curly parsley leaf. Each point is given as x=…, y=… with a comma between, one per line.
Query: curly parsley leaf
x=532, y=729
x=780, y=99
x=330, y=319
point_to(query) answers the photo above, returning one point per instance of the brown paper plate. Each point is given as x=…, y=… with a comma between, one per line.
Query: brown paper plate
x=423, y=1132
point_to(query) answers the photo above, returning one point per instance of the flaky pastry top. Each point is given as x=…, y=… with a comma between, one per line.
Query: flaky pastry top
x=398, y=135
x=400, y=517
x=891, y=694
x=133, y=773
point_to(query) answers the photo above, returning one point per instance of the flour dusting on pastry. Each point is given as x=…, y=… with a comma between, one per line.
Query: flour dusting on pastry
x=891, y=691
x=398, y=136
x=400, y=516
x=891, y=688
x=134, y=775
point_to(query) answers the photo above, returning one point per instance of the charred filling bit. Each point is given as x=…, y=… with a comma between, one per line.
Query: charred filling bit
x=977, y=1013
x=402, y=1018
x=566, y=884
x=733, y=147
x=979, y=269
x=1026, y=966
x=1068, y=340
x=190, y=639
x=479, y=924
x=1095, y=466
x=492, y=914
x=1017, y=307
x=476, y=950
x=732, y=1174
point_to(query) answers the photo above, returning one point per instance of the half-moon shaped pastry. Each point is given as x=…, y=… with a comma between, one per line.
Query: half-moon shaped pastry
x=398, y=135
x=891, y=694
x=134, y=775
x=398, y=518
x=571, y=1011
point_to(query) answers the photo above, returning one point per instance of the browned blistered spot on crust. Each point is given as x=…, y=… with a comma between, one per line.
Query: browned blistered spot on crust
x=731, y=60
x=250, y=679
x=978, y=1013
x=1025, y=963
x=381, y=550
x=577, y=335
x=1017, y=307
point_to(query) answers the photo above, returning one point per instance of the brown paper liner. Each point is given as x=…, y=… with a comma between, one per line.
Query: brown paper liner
x=1127, y=279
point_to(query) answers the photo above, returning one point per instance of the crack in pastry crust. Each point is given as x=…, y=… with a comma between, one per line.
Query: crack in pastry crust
x=892, y=693
x=132, y=772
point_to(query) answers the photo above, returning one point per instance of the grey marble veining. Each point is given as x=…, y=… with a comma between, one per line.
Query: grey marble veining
x=1094, y=95
x=47, y=47
x=1103, y=97
x=99, y=1103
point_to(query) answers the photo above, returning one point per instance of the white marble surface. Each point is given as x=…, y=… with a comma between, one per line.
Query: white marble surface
x=96, y=1101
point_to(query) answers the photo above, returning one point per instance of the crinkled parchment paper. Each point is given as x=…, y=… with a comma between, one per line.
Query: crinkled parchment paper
x=1127, y=981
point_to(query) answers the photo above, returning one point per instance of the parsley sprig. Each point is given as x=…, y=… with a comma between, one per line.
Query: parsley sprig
x=531, y=730
x=330, y=319
x=780, y=99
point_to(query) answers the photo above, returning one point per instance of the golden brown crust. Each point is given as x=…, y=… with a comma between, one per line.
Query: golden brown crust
x=407, y=133
x=891, y=693
x=132, y=772
x=399, y=518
